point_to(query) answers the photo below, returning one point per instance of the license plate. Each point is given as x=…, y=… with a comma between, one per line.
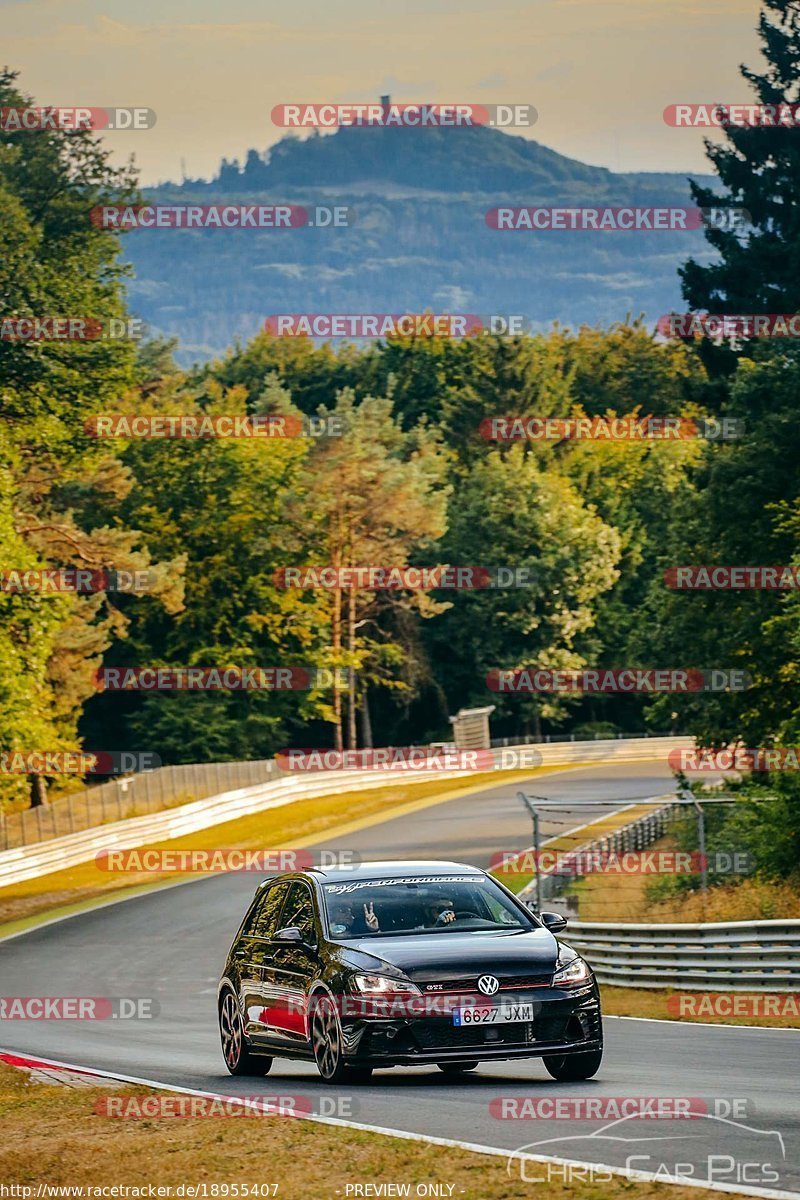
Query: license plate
x=492, y=1014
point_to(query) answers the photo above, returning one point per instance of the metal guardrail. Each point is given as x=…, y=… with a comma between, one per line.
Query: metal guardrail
x=737, y=956
x=26, y=862
x=169, y=787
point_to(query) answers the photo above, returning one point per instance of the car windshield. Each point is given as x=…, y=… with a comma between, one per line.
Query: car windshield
x=421, y=905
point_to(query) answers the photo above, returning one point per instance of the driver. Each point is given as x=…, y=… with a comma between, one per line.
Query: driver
x=442, y=912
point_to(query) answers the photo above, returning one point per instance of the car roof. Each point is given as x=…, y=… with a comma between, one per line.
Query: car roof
x=383, y=870
x=396, y=870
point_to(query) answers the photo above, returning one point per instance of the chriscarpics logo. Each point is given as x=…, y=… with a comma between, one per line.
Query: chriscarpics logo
x=709, y=1150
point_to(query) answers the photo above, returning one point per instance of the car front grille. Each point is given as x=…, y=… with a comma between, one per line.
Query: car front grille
x=441, y=987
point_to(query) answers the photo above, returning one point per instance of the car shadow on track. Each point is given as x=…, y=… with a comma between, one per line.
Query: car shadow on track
x=474, y=1080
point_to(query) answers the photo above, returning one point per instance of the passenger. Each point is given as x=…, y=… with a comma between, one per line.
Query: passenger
x=346, y=920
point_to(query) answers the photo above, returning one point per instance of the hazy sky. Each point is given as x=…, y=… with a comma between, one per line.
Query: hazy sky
x=599, y=72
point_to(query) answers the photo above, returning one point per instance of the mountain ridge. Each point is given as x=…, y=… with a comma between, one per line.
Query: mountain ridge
x=419, y=240
x=484, y=159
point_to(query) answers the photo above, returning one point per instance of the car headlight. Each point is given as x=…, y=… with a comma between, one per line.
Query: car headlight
x=382, y=985
x=574, y=972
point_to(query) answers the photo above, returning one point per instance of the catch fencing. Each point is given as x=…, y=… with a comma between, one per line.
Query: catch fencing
x=636, y=835
x=130, y=796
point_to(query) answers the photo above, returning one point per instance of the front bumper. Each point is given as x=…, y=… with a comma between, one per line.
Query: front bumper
x=563, y=1023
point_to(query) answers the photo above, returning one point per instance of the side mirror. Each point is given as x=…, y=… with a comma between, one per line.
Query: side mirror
x=553, y=921
x=290, y=934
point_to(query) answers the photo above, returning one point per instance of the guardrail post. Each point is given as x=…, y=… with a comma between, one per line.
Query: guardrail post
x=701, y=838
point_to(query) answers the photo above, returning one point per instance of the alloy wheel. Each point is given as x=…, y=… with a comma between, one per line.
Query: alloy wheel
x=326, y=1039
x=230, y=1027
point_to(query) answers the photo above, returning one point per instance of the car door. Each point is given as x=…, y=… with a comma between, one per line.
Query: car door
x=293, y=967
x=254, y=952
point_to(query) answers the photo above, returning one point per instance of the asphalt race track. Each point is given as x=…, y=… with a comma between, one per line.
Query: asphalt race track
x=170, y=945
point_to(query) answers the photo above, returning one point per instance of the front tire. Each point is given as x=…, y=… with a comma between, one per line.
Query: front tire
x=456, y=1068
x=238, y=1058
x=326, y=1041
x=568, y=1068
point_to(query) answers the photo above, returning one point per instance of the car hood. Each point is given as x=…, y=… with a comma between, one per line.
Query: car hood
x=447, y=957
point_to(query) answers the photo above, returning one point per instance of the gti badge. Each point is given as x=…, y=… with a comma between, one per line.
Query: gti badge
x=488, y=985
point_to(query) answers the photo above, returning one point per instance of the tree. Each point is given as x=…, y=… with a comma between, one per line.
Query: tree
x=58, y=488
x=511, y=512
x=738, y=514
x=379, y=495
x=758, y=271
x=221, y=509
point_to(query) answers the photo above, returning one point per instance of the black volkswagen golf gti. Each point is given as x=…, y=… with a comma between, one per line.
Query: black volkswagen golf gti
x=392, y=963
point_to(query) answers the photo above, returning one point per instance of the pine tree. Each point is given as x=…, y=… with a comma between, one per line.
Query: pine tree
x=759, y=269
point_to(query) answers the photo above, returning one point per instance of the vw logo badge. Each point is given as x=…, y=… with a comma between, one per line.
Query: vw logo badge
x=488, y=985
